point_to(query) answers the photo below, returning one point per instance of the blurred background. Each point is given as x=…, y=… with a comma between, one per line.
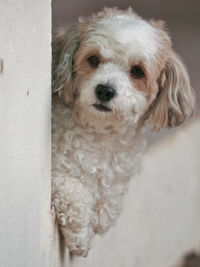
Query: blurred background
x=182, y=18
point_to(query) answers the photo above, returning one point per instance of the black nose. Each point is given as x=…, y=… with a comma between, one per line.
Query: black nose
x=104, y=93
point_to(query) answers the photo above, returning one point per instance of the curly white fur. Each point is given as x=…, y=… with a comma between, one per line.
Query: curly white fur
x=95, y=153
x=90, y=176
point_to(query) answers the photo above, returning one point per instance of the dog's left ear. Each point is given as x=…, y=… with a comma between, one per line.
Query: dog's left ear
x=65, y=43
x=175, y=101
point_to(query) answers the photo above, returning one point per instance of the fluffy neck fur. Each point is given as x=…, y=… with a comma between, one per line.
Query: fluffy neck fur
x=102, y=146
x=91, y=168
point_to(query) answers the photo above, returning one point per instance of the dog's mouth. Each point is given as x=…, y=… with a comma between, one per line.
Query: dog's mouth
x=101, y=107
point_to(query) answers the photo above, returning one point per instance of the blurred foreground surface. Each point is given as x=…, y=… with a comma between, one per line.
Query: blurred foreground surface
x=161, y=218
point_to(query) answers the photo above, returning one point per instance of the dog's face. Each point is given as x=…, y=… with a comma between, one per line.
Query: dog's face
x=117, y=67
x=112, y=68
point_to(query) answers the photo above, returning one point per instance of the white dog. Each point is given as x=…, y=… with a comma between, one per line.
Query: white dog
x=113, y=72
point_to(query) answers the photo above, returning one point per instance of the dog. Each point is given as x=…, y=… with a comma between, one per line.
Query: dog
x=112, y=73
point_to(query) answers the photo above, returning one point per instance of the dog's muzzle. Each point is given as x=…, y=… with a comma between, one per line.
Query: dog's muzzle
x=104, y=93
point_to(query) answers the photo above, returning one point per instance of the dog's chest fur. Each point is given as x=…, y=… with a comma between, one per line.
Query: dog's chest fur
x=99, y=160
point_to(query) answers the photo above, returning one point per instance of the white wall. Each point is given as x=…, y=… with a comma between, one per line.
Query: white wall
x=25, y=52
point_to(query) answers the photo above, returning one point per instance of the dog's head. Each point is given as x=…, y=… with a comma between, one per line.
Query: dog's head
x=115, y=66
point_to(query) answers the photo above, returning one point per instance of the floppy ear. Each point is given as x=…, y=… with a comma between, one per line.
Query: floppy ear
x=175, y=100
x=65, y=43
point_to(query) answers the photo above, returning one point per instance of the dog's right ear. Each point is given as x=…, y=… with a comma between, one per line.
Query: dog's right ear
x=65, y=43
x=175, y=101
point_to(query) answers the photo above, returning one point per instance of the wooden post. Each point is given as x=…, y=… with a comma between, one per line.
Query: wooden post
x=25, y=133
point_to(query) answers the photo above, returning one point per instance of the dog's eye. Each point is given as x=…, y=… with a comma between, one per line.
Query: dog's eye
x=137, y=72
x=93, y=61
